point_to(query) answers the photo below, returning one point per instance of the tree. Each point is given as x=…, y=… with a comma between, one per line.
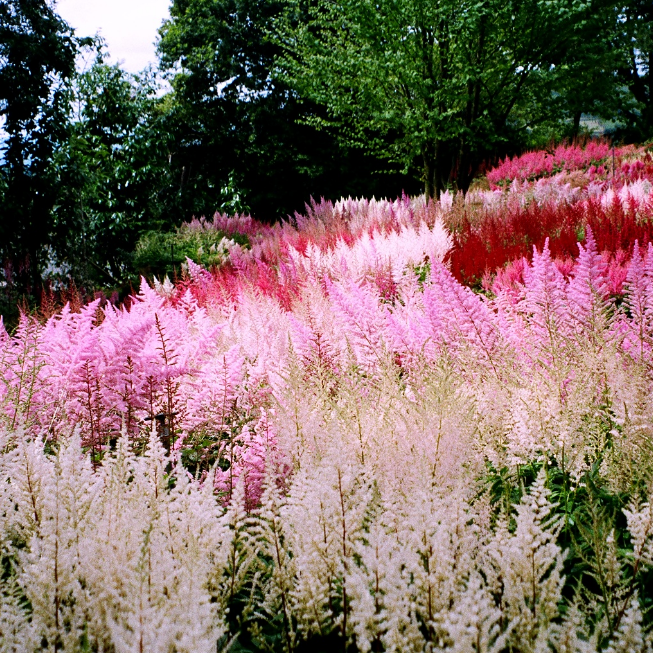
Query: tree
x=37, y=61
x=112, y=172
x=636, y=23
x=238, y=131
x=451, y=81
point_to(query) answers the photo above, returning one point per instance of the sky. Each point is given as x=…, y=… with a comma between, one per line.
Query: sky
x=129, y=27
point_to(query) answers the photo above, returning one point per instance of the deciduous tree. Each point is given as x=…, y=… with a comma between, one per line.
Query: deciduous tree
x=37, y=61
x=448, y=82
x=238, y=130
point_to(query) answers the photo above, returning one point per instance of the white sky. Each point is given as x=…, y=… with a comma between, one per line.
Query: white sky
x=129, y=27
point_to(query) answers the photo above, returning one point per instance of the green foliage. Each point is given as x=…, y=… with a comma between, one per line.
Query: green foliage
x=592, y=519
x=37, y=62
x=234, y=124
x=635, y=47
x=164, y=253
x=447, y=83
x=111, y=173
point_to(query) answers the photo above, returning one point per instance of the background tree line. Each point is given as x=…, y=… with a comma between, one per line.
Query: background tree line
x=270, y=103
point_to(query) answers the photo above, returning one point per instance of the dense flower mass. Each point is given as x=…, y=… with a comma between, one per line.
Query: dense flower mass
x=492, y=229
x=332, y=441
x=595, y=156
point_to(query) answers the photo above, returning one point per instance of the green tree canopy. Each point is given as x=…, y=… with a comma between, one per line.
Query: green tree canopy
x=634, y=71
x=450, y=81
x=238, y=131
x=37, y=60
x=112, y=173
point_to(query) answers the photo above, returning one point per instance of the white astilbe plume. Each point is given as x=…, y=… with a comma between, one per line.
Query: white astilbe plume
x=528, y=569
x=52, y=574
x=411, y=245
x=640, y=526
x=16, y=631
x=473, y=623
x=235, y=559
x=270, y=537
x=112, y=557
x=325, y=513
x=165, y=288
x=630, y=637
x=571, y=636
x=440, y=554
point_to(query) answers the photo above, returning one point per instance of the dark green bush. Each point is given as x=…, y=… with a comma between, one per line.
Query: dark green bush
x=160, y=254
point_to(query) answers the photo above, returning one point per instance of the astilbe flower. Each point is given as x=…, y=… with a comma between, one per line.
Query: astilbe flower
x=214, y=391
x=459, y=317
x=630, y=636
x=325, y=516
x=157, y=547
x=545, y=301
x=73, y=372
x=639, y=327
x=529, y=564
x=491, y=232
x=410, y=327
x=350, y=426
x=251, y=452
x=362, y=319
x=22, y=361
x=569, y=157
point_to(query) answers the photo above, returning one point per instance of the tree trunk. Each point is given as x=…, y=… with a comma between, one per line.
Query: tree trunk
x=430, y=187
x=577, y=117
x=465, y=172
x=438, y=165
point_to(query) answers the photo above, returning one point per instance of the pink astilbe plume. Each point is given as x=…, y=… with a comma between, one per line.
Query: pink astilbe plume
x=251, y=454
x=362, y=319
x=545, y=301
x=410, y=328
x=213, y=392
x=460, y=317
x=122, y=342
x=640, y=327
x=637, y=328
x=588, y=288
x=72, y=389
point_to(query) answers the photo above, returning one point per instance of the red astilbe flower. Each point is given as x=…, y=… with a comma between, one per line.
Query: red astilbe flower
x=484, y=244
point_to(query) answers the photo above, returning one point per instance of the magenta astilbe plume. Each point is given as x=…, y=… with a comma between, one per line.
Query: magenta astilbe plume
x=565, y=157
